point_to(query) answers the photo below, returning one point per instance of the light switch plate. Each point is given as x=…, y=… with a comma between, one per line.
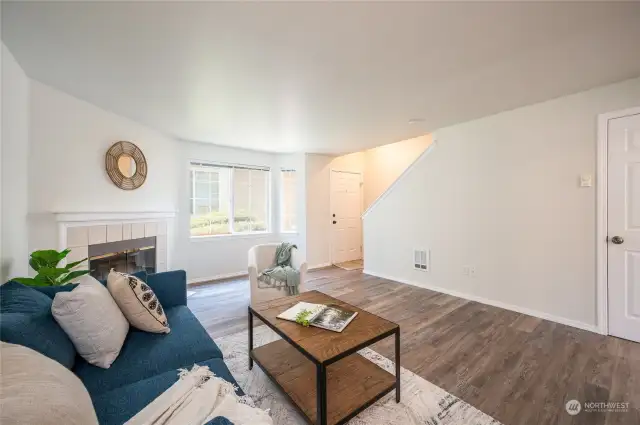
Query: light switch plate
x=586, y=180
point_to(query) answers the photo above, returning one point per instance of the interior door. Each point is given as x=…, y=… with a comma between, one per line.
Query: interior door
x=623, y=214
x=346, y=220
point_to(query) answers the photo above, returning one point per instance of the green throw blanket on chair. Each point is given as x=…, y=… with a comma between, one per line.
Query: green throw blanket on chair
x=282, y=275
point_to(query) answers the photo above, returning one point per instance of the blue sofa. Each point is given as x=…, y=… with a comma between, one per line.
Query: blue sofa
x=147, y=364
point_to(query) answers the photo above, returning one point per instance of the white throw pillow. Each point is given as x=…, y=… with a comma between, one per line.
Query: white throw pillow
x=93, y=322
x=39, y=390
x=137, y=302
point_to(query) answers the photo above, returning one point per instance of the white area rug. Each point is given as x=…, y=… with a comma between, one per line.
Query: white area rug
x=422, y=403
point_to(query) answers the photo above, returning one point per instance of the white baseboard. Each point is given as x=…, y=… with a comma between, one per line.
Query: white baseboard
x=319, y=266
x=499, y=304
x=199, y=280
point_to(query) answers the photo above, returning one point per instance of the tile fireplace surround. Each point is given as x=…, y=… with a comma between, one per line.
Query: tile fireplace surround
x=77, y=231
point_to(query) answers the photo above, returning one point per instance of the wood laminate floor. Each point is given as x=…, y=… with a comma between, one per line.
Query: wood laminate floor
x=519, y=369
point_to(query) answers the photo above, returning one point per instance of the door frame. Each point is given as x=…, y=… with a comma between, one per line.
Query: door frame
x=361, y=195
x=602, y=290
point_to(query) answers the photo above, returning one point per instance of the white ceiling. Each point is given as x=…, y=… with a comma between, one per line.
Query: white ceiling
x=319, y=77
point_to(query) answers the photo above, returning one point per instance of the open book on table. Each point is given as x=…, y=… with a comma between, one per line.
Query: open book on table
x=332, y=317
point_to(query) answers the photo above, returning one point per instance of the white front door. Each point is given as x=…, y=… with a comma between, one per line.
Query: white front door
x=623, y=212
x=346, y=220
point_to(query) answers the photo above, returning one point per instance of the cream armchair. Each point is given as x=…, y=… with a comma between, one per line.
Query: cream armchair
x=262, y=257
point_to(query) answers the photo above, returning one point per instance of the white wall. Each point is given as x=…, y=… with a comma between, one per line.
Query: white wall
x=379, y=168
x=384, y=164
x=501, y=193
x=69, y=139
x=14, y=176
x=294, y=162
x=317, y=207
x=4, y=264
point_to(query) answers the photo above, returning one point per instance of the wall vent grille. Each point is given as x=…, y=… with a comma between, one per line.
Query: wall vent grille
x=421, y=259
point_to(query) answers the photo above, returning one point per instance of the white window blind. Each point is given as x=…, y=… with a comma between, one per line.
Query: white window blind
x=228, y=199
x=288, y=201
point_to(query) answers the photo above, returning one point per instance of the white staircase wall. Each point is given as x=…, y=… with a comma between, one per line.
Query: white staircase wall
x=385, y=164
x=501, y=195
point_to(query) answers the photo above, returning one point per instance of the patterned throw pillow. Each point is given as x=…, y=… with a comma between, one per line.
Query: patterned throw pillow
x=138, y=302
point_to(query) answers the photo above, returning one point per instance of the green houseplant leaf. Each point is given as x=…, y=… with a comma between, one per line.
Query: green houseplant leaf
x=45, y=263
x=50, y=274
x=36, y=263
x=64, y=279
x=71, y=266
x=50, y=257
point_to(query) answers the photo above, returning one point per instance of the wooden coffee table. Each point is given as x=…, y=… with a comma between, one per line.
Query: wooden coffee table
x=319, y=370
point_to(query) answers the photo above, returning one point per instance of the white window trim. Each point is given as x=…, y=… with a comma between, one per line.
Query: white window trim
x=204, y=238
x=193, y=164
x=193, y=187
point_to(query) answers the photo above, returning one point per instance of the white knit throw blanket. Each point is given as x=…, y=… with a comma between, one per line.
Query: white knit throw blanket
x=198, y=397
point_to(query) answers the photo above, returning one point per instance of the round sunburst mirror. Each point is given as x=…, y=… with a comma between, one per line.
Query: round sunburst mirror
x=126, y=165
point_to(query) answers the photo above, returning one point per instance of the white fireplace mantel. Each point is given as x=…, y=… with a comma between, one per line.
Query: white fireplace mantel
x=107, y=216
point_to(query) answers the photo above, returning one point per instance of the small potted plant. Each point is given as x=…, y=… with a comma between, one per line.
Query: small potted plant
x=45, y=263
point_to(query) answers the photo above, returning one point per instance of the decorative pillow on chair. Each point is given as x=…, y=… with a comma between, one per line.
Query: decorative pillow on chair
x=138, y=302
x=38, y=390
x=93, y=322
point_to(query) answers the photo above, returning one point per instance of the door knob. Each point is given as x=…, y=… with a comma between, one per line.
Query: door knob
x=334, y=222
x=617, y=240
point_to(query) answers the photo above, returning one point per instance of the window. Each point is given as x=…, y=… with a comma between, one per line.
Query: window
x=228, y=199
x=288, y=210
x=250, y=200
